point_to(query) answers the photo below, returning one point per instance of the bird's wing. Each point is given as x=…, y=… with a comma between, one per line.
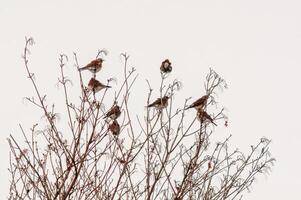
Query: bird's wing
x=209, y=118
x=93, y=83
x=91, y=64
x=196, y=103
x=158, y=101
x=199, y=101
x=111, y=111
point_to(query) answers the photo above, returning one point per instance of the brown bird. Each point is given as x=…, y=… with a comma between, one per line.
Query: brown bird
x=114, y=127
x=95, y=86
x=114, y=112
x=203, y=116
x=160, y=103
x=166, y=66
x=200, y=103
x=94, y=66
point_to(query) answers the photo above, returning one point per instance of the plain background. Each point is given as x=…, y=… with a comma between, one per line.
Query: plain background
x=255, y=45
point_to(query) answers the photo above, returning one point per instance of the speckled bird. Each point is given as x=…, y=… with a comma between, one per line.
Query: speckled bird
x=114, y=127
x=95, y=86
x=94, y=66
x=203, y=116
x=114, y=112
x=160, y=103
x=200, y=103
x=166, y=66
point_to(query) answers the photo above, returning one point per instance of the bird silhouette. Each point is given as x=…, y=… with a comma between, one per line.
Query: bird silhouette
x=160, y=103
x=94, y=66
x=166, y=66
x=95, y=86
x=203, y=116
x=114, y=127
x=114, y=112
x=200, y=103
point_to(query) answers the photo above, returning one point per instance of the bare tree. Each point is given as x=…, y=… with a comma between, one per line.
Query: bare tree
x=109, y=154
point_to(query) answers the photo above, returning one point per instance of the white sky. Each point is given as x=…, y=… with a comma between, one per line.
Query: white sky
x=255, y=45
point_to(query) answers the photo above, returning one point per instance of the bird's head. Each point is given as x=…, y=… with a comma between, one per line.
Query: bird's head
x=165, y=98
x=166, y=61
x=100, y=60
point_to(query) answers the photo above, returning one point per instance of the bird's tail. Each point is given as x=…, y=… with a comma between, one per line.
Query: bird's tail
x=188, y=107
x=150, y=105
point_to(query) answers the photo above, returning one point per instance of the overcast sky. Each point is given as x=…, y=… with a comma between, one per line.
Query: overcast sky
x=254, y=44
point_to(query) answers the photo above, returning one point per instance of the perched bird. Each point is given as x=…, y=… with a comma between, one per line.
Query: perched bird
x=95, y=86
x=203, y=116
x=200, y=103
x=160, y=103
x=94, y=66
x=166, y=66
x=114, y=127
x=114, y=112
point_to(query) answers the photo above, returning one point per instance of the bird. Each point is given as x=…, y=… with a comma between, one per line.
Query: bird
x=94, y=66
x=160, y=103
x=203, y=116
x=166, y=66
x=200, y=103
x=95, y=86
x=114, y=112
x=114, y=127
